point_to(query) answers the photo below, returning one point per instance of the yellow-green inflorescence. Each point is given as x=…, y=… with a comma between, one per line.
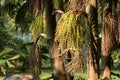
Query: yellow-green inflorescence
x=37, y=26
x=69, y=32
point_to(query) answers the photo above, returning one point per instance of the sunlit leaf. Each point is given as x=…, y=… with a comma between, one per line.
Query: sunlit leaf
x=14, y=57
x=5, y=51
x=9, y=64
x=2, y=62
x=116, y=60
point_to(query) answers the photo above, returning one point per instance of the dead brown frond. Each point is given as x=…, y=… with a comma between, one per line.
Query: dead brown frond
x=76, y=64
x=77, y=5
x=35, y=59
x=110, y=33
x=35, y=6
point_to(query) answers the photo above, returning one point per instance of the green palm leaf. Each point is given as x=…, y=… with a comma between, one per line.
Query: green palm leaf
x=2, y=62
x=5, y=51
x=14, y=57
x=9, y=64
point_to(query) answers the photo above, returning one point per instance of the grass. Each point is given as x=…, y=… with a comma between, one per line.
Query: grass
x=44, y=76
x=1, y=78
x=82, y=76
x=47, y=74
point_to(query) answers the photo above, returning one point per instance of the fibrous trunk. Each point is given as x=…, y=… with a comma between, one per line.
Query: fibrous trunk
x=110, y=37
x=93, y=57
x=57, y=63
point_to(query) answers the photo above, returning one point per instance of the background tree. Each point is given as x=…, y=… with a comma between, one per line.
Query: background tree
x=110, y=33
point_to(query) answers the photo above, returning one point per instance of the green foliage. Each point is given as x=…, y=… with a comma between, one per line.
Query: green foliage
x=14, y=55
x=69, y=31
x=17, y=10
x=5, y=37
x=4, y=52
x=6, y=58
x=44, y=76
x=23, y=20
x=6, y=31
x=11, y=6
x=116, y=59
x=11, y=48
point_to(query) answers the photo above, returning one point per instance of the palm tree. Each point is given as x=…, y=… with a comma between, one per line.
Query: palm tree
x=110, y=31
x=93, y=52
x=50, y=22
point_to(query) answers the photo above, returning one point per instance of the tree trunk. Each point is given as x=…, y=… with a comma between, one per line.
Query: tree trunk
x=59, y=68
x=57, y=63
x=106, y=62
x=93, y=63
x=108, y=41
x=35, y=59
